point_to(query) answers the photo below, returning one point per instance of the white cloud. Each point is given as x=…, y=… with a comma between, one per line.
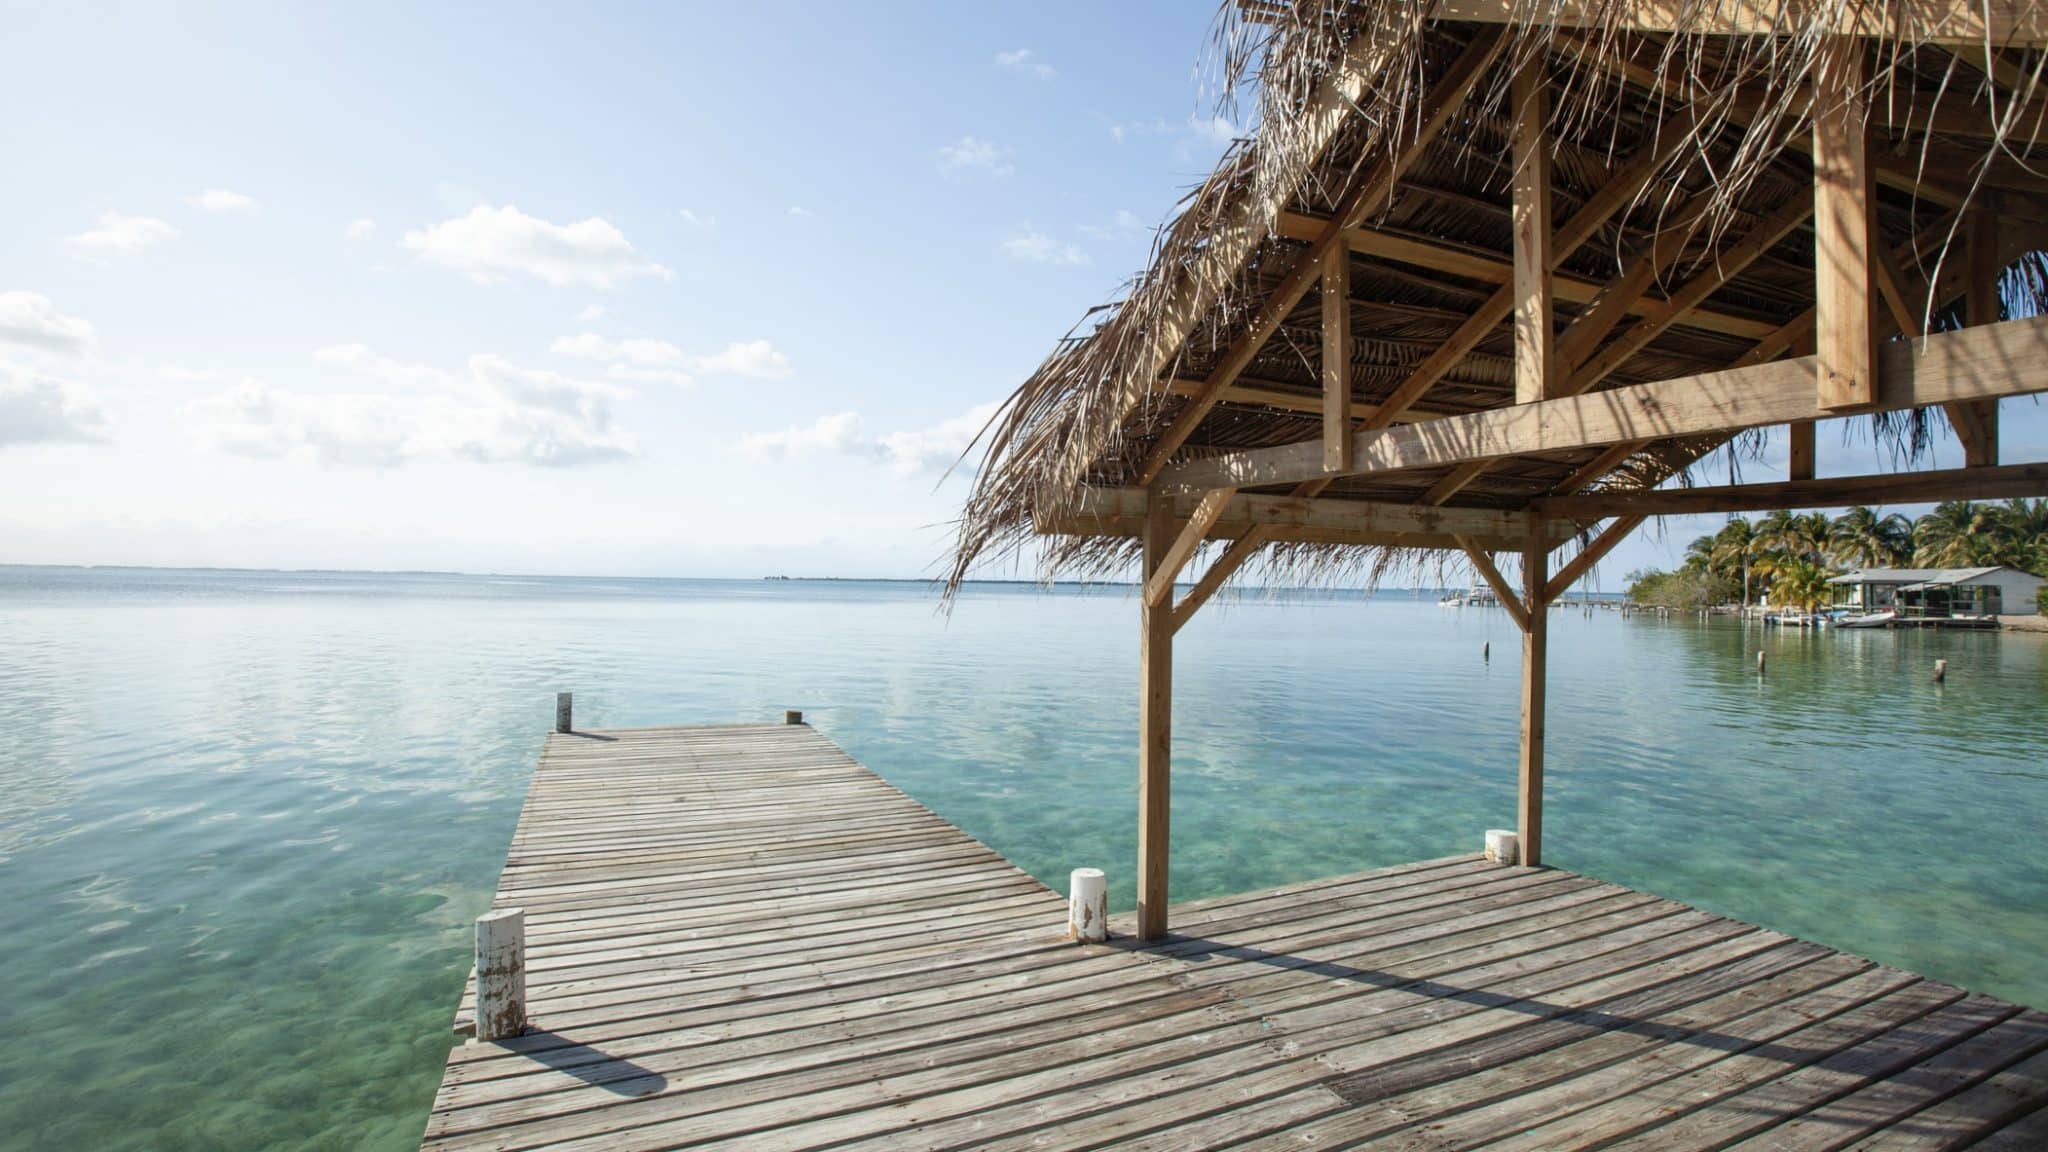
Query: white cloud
x=1122, y=130
x=118, y=233
x=938, y=447
x=222, y=200
x=492, y=411
x=591, y=314
x=40, y=409
x=1124, y=223
x=362, y=228
x=490, y=244
x=658, y=361
x=799, y=210
x=757, y=359
x=903, y=454
x=30, y=320
x=1215, y=129
x=836, y=433
x=700, y=221
x=1026, y=61
x=178, y=374
x=1030, y=246
x=973, y=153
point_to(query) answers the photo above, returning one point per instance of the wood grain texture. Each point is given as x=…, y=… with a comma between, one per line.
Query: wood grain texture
x=740, y=938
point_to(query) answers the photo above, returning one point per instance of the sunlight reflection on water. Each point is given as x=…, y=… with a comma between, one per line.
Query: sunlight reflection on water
x=239, y=804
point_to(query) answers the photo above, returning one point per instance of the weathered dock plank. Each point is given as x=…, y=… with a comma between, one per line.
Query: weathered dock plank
x=738, y=937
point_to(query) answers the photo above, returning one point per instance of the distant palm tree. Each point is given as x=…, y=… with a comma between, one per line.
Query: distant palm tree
x=1863, y=539
x=1732, y=550
x=1801, y=585
x=2023, y=534
x=1957, y=534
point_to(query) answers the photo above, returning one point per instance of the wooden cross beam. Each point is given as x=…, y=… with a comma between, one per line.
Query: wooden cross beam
x=1992, y=483
x=1444, y=99
x=2009, y=359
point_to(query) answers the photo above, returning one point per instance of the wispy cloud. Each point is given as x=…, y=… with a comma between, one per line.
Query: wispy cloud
x=904, y=454
x=222, y=200
x=590, y=314
x=840, y=432
x=39, y=409
x=801, y=211
x=658, y=361
x=492, y=411
x=362, y=228
x=1124, y=223
x=971, y=153
x=179, y=374
x=490, y=244
x=118, y=233
x=1122, y=130
x=29, y=320
x=1217, y=130
x=1025, y=61
x=697, y=219
x=1027, y=245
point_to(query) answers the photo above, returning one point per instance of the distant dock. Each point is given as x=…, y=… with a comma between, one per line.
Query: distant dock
x=739, y=937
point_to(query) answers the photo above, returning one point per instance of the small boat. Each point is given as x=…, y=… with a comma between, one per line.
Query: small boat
x=1869, y=620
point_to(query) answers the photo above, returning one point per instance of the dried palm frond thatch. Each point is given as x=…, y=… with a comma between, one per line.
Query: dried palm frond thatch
x=1339, y=90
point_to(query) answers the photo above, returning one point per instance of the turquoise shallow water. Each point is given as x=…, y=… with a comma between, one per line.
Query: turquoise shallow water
x=246, y=819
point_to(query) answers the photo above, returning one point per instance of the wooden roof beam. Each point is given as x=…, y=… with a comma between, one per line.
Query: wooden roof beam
x=1233, y=514
x=1489, y=268
x=1994, y=483
x=2004, y=23
x=1363, y=200
x=2009, y=359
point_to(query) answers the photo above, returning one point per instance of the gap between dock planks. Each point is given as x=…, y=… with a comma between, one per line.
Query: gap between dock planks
x=740, y=937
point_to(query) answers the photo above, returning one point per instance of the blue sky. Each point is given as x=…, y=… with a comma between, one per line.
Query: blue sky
x=634, y=290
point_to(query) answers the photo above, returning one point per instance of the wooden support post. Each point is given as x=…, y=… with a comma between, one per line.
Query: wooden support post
x=1336, y=295
x=1534, y=335
x=1981, y=306
x=1843, y=225
x=501, y=973
x=792, y=716
x=1802, y=446
x=564, y=711
x=1535, y=642
x=1155, y=726
x=1087, y=906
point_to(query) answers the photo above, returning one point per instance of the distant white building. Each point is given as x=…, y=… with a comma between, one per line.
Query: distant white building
x=1995, y=591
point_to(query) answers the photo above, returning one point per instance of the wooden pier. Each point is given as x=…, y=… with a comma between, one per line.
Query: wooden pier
x=738, y=937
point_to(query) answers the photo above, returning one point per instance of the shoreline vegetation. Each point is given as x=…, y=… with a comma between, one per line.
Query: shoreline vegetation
x=1791, y=557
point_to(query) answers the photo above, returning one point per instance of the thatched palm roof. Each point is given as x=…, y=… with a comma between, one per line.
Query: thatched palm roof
x=1689, y=150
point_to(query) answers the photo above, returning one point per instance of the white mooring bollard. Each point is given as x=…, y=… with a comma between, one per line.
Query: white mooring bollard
x=501, y=974
x=1088, y=906
x=1503, y=847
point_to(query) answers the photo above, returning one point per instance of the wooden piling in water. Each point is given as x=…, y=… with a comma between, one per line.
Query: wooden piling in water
x=564, y=707
x=1940, y=671
x=792, y=716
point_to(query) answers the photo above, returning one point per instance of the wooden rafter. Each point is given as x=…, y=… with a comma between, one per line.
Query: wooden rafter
x=1595, y=551
x=1510, y=601
x=1994, y=483
x=1159, y=583
x=1844, y=222
x=1490, y=267
x=2007, y=23
x=2009, y=359
x=1363, y=199
x=1535, y=335
x=1336, y=339
x=1122, y=511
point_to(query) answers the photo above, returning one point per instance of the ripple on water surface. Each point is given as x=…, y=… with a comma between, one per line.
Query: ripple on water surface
x=255, y=815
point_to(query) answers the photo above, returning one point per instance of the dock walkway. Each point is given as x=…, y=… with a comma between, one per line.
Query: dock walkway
x=738, y=937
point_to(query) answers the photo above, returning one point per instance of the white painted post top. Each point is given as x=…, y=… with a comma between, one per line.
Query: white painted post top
x=1503, y=847
x=1088, y=905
